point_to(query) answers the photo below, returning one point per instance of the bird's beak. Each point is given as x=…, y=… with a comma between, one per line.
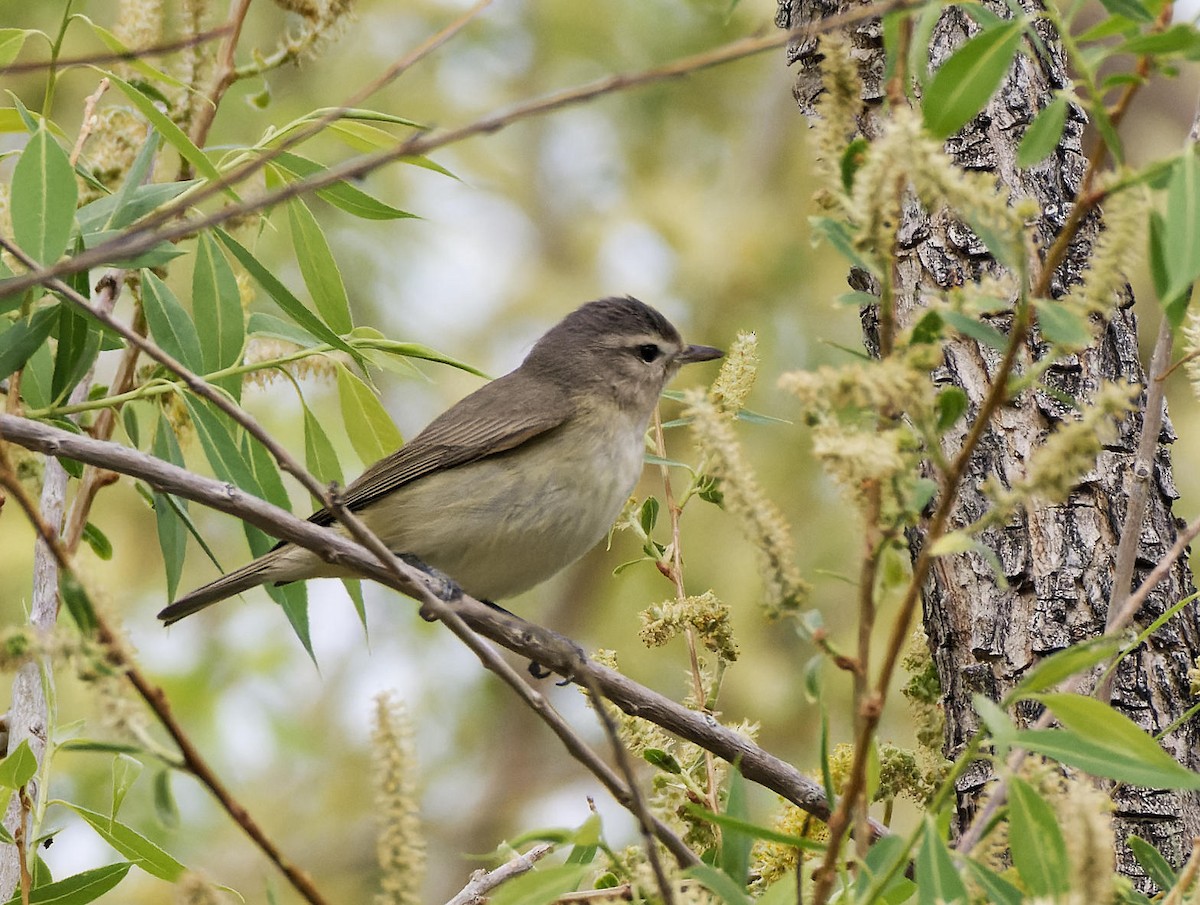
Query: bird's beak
x=698, y=353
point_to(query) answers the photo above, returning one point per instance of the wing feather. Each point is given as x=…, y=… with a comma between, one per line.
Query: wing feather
x=481, y=425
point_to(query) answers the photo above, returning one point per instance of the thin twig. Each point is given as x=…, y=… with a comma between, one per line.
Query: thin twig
x=483, y=882
x=637, y=804
x=674, y=511
x=120, y=56
x=88, y=121
x=146, y=234
x=1186, y=877
x=222, y=80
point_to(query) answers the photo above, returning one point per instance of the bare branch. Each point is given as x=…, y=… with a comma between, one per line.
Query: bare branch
x=484, y=881
x=530, y=641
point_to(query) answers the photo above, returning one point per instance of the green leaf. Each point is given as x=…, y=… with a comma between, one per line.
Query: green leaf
x=951, y=404
x=938, y=880
x=747, y=828
x=77, y=602
x=1178, y=39
x=114, y=212
x=171, y=132
x=125, y=772
x=541, y=886
x=19, y=767
x=78, y=345
x=11, y=42
x=718, y=883
x=371, y=430
x=26, y=336
x=1102, y=121
x=953, y=542
x=966, y=81
x=1181, y=235
x=1063, y=326
x=43, y=198
x=319, y=455
x=217, y=305
x=341, y=195
x=998, y=890
x=1061, y=665
x=735, y=844
x=648, y=514
x=1044, y=133
x=839, y=234
x=320, y=270
x=664, y=760
x=852, y=160
x=284, y=297
x=269, y=325
x=172, y=533
x=1152, y=862
x=98, y=541
x=170, y=324
x=1039, y=851
x=132, y=58
x=1002, y=730
x=164, y=800
x=884, y=859
x=976, y=329
x=1130, y=9
x=130, y=844
x=1105, y=743
x=86, y=886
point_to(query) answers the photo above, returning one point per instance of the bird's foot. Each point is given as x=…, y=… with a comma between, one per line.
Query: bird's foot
x=444, y=588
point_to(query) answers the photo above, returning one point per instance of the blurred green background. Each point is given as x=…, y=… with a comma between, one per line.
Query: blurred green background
x=692, y=195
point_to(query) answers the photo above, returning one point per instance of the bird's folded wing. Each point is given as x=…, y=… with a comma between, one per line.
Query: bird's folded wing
x=483, y=424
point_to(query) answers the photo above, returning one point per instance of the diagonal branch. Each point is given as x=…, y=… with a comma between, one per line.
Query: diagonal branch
x=533, y=642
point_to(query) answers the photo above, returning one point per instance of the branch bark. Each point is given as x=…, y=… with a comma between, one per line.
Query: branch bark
x=533, y=642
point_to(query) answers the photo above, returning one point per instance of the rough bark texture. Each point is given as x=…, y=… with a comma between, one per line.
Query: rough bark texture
x=1058, y=560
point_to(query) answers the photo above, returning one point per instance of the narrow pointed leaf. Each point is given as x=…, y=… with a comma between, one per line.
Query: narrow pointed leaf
x=966, y=81
x=217, y=304
x=131, y=844
x=172, y=533
x=320, y=270
x=342, y=195
x=284, y=297
x=1039, y=851
x=22, y=339
x=84, y=887
x=170, y=324
x=18, y=767
x=1043, y=133
x=1182, y=225
x=169, y=131
x=938, y=880
x=43, y=198
x=371, y=430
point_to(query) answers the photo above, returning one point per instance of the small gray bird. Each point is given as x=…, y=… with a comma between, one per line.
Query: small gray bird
x=519, y=479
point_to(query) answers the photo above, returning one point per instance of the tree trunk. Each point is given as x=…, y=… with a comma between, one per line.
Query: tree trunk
x=1058, y=559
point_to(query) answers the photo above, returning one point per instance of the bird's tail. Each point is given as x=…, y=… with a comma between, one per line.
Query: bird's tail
x=261, y=570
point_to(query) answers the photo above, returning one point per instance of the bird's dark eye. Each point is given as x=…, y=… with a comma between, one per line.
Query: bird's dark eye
x=648, y=352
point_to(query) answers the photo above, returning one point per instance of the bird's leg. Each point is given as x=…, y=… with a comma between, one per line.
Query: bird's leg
x=444, y=587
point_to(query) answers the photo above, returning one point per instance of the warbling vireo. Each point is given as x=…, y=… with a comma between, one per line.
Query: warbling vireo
x=519, y=479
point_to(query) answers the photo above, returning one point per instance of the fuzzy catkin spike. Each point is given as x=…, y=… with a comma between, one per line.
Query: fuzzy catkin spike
x=401, y=845
x=760, y=518
x=738, y=372
x=707, y=614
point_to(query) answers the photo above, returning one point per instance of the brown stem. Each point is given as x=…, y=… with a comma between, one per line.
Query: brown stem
x=100, y=59
x=698, y=690
x=222, y=80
